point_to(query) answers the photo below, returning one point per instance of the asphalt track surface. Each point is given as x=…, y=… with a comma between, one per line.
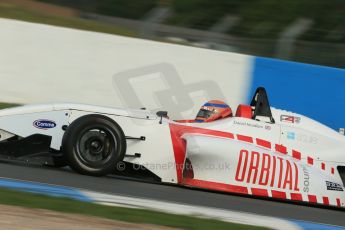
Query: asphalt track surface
x=122, y=186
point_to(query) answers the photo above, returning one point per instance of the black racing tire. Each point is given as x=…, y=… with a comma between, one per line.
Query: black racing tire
x=93, y=145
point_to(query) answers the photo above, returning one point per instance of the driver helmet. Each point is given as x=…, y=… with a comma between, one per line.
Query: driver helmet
x=213, y=110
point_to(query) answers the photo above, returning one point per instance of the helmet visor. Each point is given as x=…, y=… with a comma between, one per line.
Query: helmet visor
x=204, y=113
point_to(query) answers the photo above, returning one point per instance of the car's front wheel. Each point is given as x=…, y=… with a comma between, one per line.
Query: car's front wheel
x=93, y=145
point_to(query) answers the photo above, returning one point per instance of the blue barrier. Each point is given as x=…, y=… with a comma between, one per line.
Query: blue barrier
x=311, y=90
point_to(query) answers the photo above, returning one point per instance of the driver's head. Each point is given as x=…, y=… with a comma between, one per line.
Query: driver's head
x=213, y=110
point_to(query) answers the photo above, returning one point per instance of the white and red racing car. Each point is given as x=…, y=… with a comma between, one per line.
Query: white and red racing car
x=258, y=151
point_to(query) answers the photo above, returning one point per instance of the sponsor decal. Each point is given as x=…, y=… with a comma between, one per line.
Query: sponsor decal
x=333, y=186
x=307, y=139
x=290, y=119
x=301, y=138
x=291, y=136
x=306, y=179
x=266, y=170
x=44, y=124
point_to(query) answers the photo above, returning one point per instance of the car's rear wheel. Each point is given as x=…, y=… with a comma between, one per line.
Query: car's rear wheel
x=93, y=145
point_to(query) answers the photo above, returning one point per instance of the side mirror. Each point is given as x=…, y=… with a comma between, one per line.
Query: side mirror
x=162, y=114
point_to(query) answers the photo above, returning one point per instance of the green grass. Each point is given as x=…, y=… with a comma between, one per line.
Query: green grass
x=7, y=105
x=20, y=13
x=31, y=200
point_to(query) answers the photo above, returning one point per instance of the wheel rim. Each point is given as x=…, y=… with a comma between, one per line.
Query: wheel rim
x=95, y=146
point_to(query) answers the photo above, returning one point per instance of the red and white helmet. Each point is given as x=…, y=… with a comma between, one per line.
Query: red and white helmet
x=213, y=110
